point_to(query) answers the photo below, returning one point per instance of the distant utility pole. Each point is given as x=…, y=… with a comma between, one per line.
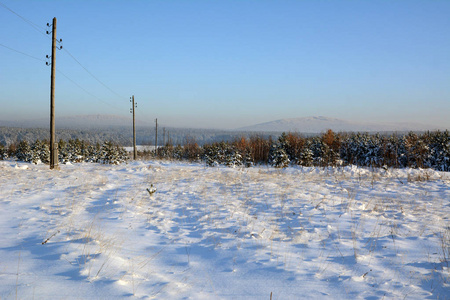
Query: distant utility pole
x=156, y=137
x=133, y=106
x=164, y=136
x=53, y=145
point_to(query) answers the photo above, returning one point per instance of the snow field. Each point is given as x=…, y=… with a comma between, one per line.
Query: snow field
x=94, y=231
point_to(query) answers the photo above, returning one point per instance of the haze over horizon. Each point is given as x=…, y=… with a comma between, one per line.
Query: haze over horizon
x=230, y=64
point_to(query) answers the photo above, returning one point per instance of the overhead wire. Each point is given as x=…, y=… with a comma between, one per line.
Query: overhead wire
x=33, y=25
x=38, y=29
x=23, y=53
x=86, y=91
x=67, y=77
x=90, y=73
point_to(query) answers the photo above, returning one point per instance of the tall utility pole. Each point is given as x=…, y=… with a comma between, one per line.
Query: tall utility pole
x=53, y=145
x=133, y=106
x=156, y=137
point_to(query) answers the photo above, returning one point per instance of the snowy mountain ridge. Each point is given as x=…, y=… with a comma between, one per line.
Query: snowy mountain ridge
x=317, y=124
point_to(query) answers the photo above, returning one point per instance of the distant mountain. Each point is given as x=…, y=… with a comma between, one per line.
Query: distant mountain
x=81, y=121
x=320, y=124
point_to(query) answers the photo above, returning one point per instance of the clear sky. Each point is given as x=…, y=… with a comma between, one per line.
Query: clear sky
x=227, y=64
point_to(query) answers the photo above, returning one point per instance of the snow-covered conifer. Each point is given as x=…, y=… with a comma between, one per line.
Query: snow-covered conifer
x=232, y=157
x=439, y=147
x=306, y=157
x=3, y=152
x=40, y=152
x=278, y=157
x=23, y=152
x=210, y=155
x=248, y=159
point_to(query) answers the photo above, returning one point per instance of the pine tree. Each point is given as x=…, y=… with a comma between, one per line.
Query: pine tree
x=3, y=152
x=178, y=152
x=317, y=148
x=23, y=152
x=211, y=152
x=232, y=157
x=74, y=151
x=108, y=153
x=63, y=155
x=248, y=160
x=111, y=153
x=122, y=155
x=35, y=148
x=306, y=157
x=333, y=158
x=278, y=157
x=40, y=152
x=439, y=147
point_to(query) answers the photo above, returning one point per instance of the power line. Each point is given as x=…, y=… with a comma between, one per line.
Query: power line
x=67, y=77
x=38, y=29
x=86, y=91
x=35, y=26
x=93, y=76
x=23, y=53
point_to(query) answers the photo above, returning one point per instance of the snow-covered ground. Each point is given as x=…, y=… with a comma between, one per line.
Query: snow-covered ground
x=91, y=231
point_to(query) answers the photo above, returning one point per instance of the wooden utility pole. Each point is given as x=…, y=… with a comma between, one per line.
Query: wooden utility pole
x=133, y=105
x=156, y=137
x=164, y=136
x=53, y=145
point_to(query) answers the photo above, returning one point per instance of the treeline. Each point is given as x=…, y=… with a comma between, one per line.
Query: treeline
x=124, y=135
x=427, y=150
x=70, y=151
x=14, y=135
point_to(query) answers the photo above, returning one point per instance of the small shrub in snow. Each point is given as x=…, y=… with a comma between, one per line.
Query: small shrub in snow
x=151, y=190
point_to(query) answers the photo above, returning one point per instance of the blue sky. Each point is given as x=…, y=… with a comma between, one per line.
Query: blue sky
x=227, y=64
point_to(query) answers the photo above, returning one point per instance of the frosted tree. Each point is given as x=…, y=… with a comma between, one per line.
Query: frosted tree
x=23, y=152
x=3, y=152
x=211, y=155
x=74, y=151
x=111, y=154
x=232, y=157
x=306, y=157
x=278, y=158
x=248, y=159
x=107, y=154
x=439, y=147
x=63, y=155
x=40, y=152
